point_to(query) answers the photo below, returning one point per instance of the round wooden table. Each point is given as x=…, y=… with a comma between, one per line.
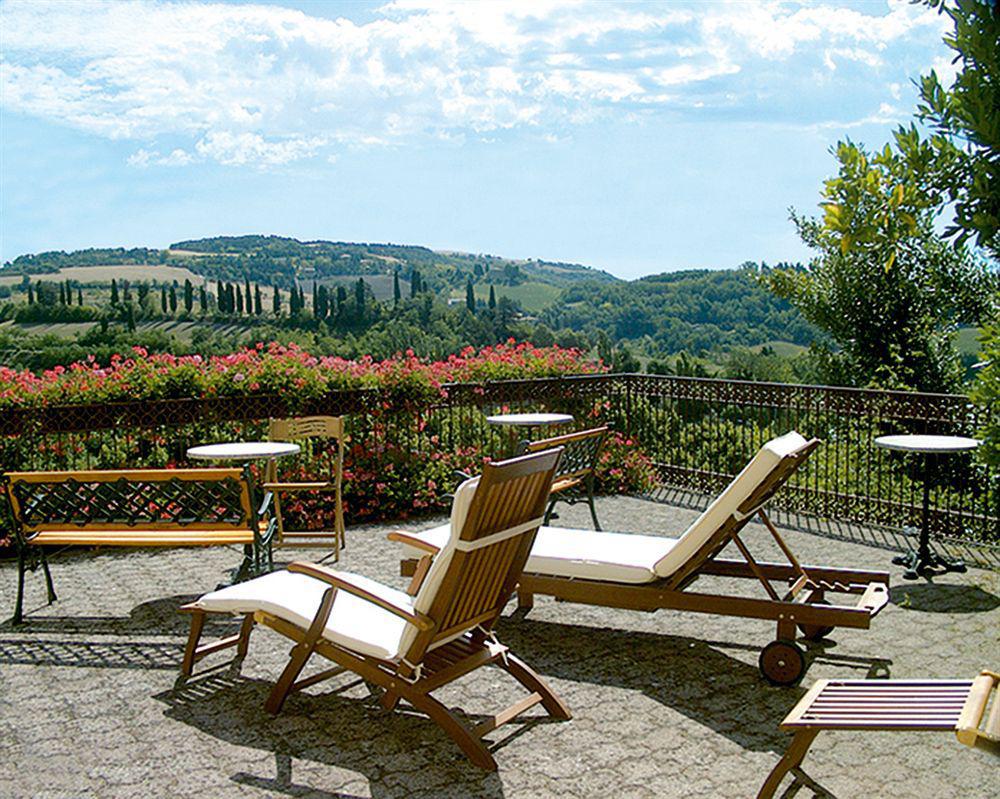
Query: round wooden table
x=924, y=559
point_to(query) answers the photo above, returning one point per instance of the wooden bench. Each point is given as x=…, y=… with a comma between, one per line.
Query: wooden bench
x=136, y=508
x=575, y=477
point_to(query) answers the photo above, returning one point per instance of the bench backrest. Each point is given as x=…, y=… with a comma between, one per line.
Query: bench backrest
x=580, y=451
x=151, y=499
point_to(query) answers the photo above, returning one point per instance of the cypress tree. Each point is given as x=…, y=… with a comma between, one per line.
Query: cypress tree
x=341, y=299
x=396, y=293
x=163, y=299
x=322, y=308
x=247, y=296
x=220, y=296
x=188, y=295
x=470, y=296
x=315, y=299
x=126, y=293
x=239, y=301
x=114, y=291
x=258, y=304
x=414, y=283
x=202, y=298
x=493, y=299
x=173, y=298
x=31, y=295
x=62, y=294
x=79, y=296
x=276, y=301
x=359, y=299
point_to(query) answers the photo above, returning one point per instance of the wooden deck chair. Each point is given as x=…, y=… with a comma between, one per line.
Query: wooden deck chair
x=958, y=706
x=642, y=572
x=575, y=479
x=410, y=643
x=330, y=428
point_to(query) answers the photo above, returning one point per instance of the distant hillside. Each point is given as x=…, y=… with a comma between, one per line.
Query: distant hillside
x=694, y=311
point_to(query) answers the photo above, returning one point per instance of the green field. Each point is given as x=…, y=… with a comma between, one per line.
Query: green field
x=134, y=273
x=531, y=296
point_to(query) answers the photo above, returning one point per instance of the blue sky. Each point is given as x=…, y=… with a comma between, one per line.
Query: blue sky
x=635, y=137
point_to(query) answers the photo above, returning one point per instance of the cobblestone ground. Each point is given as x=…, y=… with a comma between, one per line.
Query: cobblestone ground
x=665, y=704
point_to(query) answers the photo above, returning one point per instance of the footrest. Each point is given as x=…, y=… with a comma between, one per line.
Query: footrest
x=970, y=729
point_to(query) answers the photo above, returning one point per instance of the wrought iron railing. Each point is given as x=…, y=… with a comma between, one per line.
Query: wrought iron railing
x=699, y=432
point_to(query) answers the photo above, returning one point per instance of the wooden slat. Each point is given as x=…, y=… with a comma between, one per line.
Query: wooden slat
x=142, y=538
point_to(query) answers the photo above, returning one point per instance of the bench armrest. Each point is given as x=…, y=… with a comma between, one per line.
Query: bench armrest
x=372, y=591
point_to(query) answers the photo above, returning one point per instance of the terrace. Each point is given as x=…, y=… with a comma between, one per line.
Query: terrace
x=664, y=704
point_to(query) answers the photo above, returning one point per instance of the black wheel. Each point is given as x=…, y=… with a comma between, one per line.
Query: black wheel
x=813, y=632
x=782, y=662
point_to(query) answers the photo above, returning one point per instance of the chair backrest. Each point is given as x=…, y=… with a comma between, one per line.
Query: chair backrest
x=306, y=427
x=580, y=451
x=749, y=491
x=123, y=500
x=494, y=519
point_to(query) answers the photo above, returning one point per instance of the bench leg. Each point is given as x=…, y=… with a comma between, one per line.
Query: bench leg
x=792, y=759
x=22, y=567
x=590, y=502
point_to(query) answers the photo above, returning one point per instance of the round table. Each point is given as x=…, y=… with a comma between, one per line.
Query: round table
x=930, y=446
x=528, y=420
x=243, y=451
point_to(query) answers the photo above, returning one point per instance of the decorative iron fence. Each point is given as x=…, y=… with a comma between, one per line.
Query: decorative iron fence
x=699, y=432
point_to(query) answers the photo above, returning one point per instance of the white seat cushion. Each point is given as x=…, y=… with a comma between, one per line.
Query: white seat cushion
x=728, y=502
x=633, y=558
x=586, y=554
x=354, y=623
x=562, y=552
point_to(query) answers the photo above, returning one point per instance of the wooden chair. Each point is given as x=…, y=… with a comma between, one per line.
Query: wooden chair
x=575, y=479
x=641, y=572
x=958, y=706
x=331, y=429
x=410, y=643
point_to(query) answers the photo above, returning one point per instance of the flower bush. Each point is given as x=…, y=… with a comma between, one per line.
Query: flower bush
x=278, y=369
x=624, y=468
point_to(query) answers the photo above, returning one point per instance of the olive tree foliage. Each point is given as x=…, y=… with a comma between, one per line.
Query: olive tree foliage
x=886, y=288
x=965, y=119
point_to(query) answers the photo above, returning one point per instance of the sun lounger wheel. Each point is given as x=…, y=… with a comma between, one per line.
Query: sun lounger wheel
x=782, y=662
x=813, y=632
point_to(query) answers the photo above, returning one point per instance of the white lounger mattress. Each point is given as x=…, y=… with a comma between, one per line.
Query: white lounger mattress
x=585, y=554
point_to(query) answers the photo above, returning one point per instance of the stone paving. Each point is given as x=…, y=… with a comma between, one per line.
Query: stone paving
x=665, y=704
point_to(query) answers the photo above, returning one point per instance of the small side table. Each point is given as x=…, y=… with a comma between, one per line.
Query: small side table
x=528, y=421
x=929, y=446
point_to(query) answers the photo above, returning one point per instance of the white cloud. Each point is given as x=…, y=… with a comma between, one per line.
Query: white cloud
x=255, y=85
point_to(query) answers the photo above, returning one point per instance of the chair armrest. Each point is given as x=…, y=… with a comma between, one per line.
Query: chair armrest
x=265, y=504
x=404, y=537
x=364, y=588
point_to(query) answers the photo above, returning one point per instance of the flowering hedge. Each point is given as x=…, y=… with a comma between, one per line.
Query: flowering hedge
x=400, y=460
x=277, y=369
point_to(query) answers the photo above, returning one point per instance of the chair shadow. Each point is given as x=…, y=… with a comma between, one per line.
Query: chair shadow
x=930, y=597
x=332, y=728
x=691, y=676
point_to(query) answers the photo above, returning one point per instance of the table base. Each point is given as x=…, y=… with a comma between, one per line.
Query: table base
x=918, y=562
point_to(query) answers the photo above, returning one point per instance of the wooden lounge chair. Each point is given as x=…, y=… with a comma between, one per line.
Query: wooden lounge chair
x=575, y=479
x=650, y=572
x=924, y=705
x=410, y=643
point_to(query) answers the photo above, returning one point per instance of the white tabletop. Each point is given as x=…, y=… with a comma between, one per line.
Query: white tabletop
x=530, y=419
x=920, y=443
x=242, y=450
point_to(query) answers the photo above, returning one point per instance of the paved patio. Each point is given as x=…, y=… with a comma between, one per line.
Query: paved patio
x=666, y=704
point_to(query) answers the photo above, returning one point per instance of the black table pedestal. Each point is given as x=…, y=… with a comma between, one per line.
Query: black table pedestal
x=924, y=559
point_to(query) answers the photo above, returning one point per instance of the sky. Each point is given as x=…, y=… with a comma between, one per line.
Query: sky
x=634, y=137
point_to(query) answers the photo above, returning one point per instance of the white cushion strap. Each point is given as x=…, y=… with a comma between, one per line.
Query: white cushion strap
x=502, y=535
